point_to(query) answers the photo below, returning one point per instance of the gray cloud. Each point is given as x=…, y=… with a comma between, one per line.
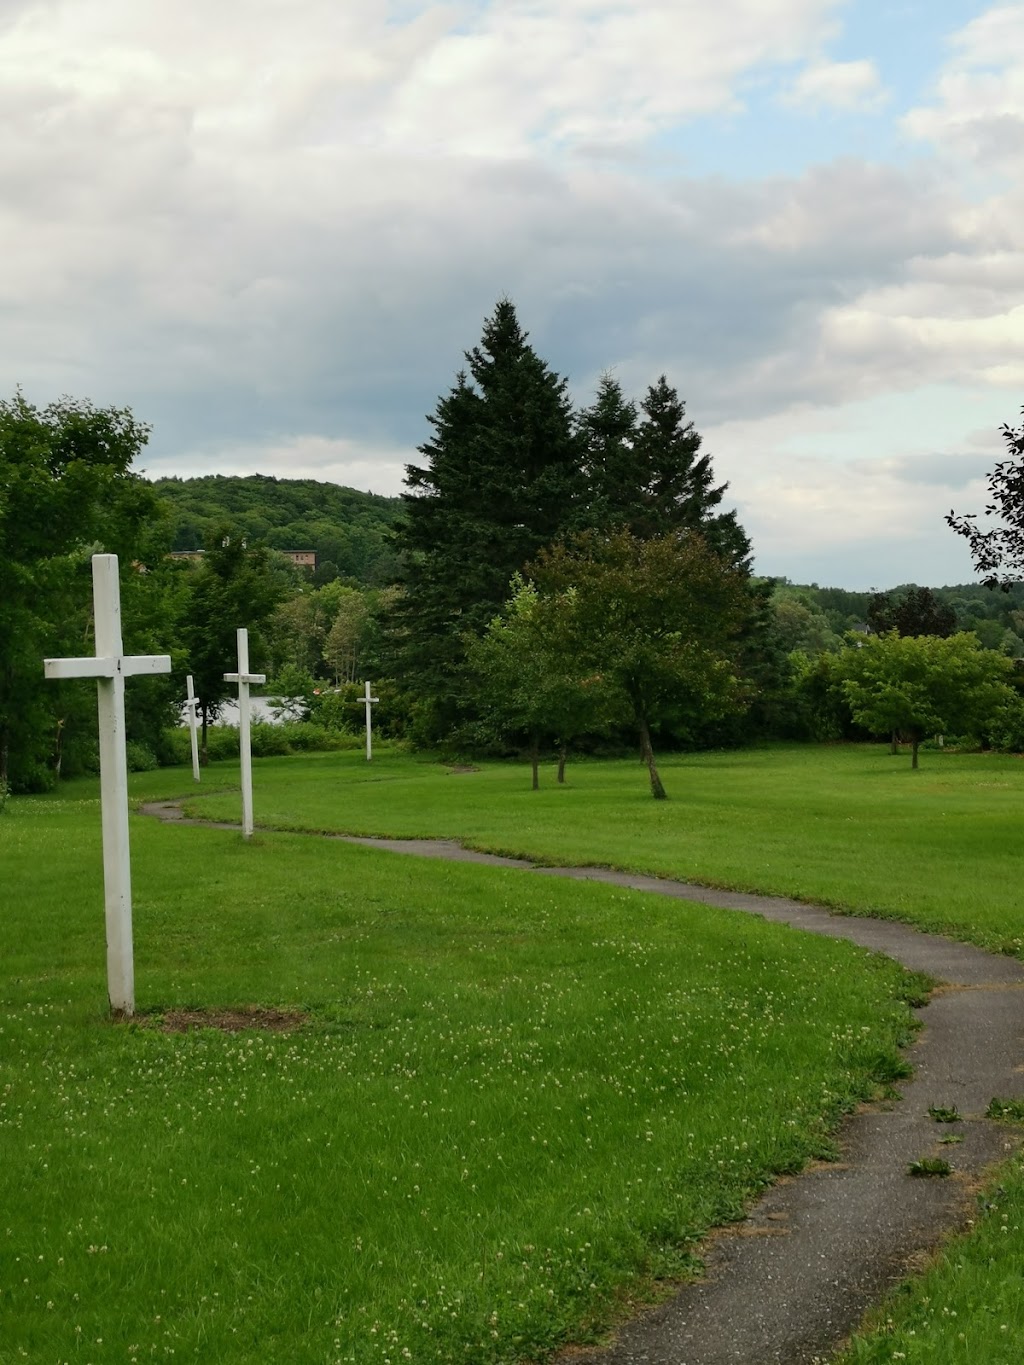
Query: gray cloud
x=275, y=233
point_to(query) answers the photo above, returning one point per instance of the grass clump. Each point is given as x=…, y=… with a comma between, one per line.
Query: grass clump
x=509, y=1103
x=930, y=1165
x=939, y=1113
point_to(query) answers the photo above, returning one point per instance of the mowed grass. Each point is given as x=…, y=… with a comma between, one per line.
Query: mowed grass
x=849, y=826
x=516, y=1102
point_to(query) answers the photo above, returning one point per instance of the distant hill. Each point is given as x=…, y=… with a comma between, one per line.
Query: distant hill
x=995, y=616
x=348, y=530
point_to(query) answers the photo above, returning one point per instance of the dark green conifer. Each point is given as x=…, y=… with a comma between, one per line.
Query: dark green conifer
x=502, y=478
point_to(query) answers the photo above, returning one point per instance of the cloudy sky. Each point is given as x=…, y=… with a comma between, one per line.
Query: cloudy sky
x=271, y=227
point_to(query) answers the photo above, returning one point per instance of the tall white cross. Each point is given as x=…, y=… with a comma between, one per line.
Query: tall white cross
x=369, y=701
x=110, y=667
x=192, y=717
x=243, y=678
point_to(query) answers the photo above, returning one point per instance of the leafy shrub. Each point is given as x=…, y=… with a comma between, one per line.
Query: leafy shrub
x=141, y=758
x=268, y=741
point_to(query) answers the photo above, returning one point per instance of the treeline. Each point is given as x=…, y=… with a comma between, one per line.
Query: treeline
x=349, y=531
x=811, y=618
x=555, y=578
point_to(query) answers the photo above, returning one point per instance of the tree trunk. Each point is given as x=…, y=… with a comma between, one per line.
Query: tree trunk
x=913, y=747
x=204, y=757
x=563, y=754
x=535, y=760
x=657, y=790
x=58, y=748
x=894, y=747
x=5, y=756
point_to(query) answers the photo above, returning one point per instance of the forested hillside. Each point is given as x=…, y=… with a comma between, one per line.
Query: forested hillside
x=348, y=530
x=811, y=618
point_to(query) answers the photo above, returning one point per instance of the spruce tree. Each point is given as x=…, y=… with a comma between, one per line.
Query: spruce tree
x=502, y=478
x=608, y=430
x=674, y=483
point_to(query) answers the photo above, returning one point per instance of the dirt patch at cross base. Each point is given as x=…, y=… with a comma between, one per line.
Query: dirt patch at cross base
x=234, y=1020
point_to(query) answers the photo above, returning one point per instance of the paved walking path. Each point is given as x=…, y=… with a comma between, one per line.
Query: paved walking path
x=785, y=1286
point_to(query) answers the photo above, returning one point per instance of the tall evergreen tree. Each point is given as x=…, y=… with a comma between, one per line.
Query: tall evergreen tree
x=674, y=483
x=608, y=430
x=502, y=479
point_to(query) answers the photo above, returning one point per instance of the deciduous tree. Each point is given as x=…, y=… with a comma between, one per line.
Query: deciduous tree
x=998, y=553
x=66, y=488
x=658, y=619
x=533, y=683
x=919, y=685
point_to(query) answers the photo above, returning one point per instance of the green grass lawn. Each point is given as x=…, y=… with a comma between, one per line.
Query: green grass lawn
x=516, y=1103
x=848, y=825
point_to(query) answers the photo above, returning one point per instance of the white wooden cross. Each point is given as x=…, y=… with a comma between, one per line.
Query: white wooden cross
x=110, y=666
x=369, y=701
x=243, y=678
x=191, y=715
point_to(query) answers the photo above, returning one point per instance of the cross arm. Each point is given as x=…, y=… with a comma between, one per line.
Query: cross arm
x=245, y=677
x=90, y=667
x=146, y=663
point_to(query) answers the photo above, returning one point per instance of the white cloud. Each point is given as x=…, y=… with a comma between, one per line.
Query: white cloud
x=978, y=113
x=845, y=86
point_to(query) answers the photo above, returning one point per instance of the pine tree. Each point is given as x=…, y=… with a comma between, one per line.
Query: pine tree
x=502, y=479
x=674, y=483
x=608, y=430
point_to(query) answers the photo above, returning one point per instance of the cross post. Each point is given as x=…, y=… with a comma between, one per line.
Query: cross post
x=243, y=678
x=110, y=666
x=192, y=717
x=368, y=702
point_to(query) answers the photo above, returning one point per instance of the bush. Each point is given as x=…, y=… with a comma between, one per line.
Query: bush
x=141, y=758
x=267, y=741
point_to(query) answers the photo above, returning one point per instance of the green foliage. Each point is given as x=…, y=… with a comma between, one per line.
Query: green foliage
x=929, y=1166
x=502, y=478
x=645, y=471
x=348, y=530
x=534, y=683
x=914, y=611
x=140, y=757
x=944, y=1113
x=998, y=553
x=66, y=490
x=657, y=620
x=919, y=685
x=1011, y=1110
x=235, y=585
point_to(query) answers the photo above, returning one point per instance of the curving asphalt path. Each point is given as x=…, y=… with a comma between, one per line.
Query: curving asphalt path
x=790, y=1282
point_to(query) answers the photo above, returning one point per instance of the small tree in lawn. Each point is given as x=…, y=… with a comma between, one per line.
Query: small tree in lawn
x=658, y=619
x=530, y=682
x=919, y=685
